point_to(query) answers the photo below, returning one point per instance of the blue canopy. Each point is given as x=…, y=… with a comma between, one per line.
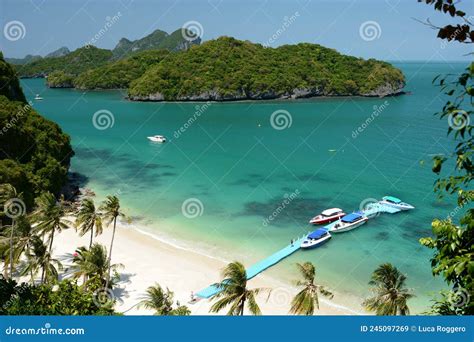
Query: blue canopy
x=392, y=199
x=317, y=233
x=351, y=217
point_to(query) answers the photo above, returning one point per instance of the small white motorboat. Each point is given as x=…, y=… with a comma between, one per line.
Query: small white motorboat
x=316, y=238
x=38, y=97
x=396, y=203
x=348, y=222
x=328, y=216
x=157, y=138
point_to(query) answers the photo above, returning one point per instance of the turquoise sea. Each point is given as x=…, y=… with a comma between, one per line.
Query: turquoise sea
x=230, y=159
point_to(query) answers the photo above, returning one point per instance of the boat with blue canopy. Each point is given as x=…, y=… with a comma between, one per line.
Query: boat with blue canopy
x=316, y=238
x=396, y=203
x=349, y=222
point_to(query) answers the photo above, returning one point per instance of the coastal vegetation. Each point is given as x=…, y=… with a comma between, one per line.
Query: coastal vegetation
x=231, y=69
x=453, y=242
x=234, y=292
x=65, y=66
x=161, y=302
x=74, y=63
x=390, y=296
x=306, y=301
x=118, y=74
x=35, y=153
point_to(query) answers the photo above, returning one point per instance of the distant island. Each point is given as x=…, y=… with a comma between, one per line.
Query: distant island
x=71, y=64
x=162, y=67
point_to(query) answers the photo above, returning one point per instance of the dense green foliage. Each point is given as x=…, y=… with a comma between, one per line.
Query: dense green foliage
x=59, y=79
x=389, y=292
x=9, y=84
x=161, y=302
x=73, y=63
x=119, y=74
x=227, y=68
x=306, y=300
x=64, y=298
x=34, y=152
x=453, y=241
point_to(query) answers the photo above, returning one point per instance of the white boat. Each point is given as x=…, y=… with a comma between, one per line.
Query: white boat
x=328, y=216
x=316, y=238
x=396, y=203
x=38, y=97
x=157, y=138
x=348, y=222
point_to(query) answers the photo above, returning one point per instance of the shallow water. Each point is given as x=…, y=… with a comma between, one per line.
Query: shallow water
x=242, y=170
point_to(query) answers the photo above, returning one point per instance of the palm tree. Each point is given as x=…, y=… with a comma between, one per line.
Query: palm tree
x=158, y=299
x=234, y=291
x=50, y=216
x=390, y=294
x=305, y=301
x=92, y=264
x=87, y=218
x=40, y=258
x=7, y=194
x=110, y=212
x=21, y=242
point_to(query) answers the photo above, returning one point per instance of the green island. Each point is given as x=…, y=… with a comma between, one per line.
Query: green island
x=231, y=69
x=35, y=153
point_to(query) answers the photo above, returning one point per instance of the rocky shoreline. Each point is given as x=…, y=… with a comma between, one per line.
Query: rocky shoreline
x=297, y=93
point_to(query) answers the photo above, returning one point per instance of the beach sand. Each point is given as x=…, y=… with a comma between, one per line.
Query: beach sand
x=147, y=261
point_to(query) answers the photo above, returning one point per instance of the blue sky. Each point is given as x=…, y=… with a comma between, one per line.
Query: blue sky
x=50, y=24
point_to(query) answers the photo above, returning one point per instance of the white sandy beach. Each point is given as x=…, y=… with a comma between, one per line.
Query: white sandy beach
x=147, y=260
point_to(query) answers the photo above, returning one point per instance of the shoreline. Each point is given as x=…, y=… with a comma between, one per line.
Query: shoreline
x=182, y=270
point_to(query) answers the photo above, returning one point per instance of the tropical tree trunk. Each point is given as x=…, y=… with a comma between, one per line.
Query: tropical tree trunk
x=11, y=249
x=92, y=236
x=51, y=238
x=110, y=254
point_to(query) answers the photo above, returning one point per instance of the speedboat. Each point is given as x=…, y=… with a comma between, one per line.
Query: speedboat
x=348, y=222
x=157, y=138
x=316, y=238
x=396, y=203
x=38, y=97
x=327, y=216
